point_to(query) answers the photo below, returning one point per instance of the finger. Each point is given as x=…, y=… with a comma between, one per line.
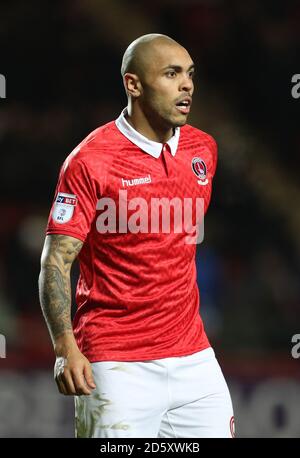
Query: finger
x=61, y=386
x=67, y=381
x=88, y=375
x=79, y=382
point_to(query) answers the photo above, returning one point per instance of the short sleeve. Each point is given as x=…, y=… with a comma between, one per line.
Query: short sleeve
x=74, y=205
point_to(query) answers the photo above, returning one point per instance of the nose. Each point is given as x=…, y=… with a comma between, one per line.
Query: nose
x=186, y=84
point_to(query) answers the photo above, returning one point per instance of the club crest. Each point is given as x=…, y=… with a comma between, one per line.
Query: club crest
x=200, y=170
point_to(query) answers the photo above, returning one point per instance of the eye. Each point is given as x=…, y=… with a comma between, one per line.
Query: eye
x=171, y=74
x=192, y=74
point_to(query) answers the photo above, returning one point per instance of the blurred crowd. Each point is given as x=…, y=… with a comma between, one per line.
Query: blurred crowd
x=61, y=61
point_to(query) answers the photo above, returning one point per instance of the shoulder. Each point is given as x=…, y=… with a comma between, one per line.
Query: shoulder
x=94, y=149
x=102, y=136
x=200, y=143
x=198, y=137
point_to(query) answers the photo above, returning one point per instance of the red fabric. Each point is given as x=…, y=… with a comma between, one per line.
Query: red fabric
x=137, y=295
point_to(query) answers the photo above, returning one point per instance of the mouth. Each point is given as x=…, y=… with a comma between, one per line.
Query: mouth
x=184, y=105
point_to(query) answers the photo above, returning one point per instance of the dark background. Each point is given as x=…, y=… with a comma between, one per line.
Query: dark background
x=61, y=61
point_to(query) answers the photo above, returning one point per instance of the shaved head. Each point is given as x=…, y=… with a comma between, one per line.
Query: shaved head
x=137, y=54
x=158, y=79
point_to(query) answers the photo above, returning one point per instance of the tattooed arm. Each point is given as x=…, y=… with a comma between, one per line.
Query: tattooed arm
x=72, y=371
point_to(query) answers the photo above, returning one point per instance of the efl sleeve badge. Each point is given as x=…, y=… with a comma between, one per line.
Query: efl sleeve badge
x=64, y=207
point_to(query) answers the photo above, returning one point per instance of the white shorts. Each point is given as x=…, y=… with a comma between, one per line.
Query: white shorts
x=180, y=397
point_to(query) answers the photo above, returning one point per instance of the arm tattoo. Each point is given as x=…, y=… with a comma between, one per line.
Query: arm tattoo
x=54, y=282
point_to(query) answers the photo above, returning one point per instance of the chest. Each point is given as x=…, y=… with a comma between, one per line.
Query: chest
x=187, y=175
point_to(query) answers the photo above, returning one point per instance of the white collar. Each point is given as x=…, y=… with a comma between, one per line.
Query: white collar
x=149, y=146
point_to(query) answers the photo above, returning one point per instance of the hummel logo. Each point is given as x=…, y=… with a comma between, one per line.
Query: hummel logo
x=135, y=181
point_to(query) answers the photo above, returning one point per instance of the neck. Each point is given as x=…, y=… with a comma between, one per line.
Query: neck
x=138, y=120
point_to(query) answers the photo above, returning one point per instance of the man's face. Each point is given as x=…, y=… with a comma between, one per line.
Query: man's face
x=167, y=85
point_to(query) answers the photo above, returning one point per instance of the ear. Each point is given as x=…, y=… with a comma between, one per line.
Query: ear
x=132, y=84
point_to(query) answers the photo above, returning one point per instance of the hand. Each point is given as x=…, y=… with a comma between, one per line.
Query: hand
x=73, y=374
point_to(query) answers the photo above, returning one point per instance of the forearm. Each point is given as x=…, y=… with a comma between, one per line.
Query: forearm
x=58, y=254
x=72, y=371
x=55, y=299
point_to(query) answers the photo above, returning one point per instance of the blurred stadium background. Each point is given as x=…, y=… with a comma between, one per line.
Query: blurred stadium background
x=61, y=61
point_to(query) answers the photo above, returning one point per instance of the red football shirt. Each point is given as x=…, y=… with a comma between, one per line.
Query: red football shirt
x=137, y=294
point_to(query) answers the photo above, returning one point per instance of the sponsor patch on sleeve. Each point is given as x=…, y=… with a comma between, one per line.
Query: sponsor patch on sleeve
x=64, y=207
